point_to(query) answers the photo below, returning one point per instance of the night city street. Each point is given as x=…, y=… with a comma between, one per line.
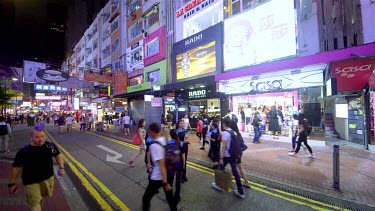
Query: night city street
x=188, y=105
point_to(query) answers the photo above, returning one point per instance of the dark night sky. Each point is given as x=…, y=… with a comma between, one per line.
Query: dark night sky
x=29, y=35
x=26, y=29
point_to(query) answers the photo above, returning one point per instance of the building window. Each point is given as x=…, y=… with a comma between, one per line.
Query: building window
x=95, y=63
x=89, y=50
x=152, y=47
x=106, y=16
x=115, y=5
x=135, y=30
x=236, y=7
x=136, y=80
x=106, y=33
x=134, y=6
x=106, y=52
x=152, y=19
x=95, y=45
x=153, y=76
x=136, y=56
x=114, y=25
x=115, y=45
x=94, y=29
x=116, y=65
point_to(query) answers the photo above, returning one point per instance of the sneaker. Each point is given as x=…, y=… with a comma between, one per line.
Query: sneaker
x=292, y=150
x=311, y=156
x=293, y=154
x=202, y=148
x=216, y=187
x=242, y=196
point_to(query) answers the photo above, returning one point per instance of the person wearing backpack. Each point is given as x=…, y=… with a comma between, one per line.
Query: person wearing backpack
x=5, y=132
x=174, y=162
x=231, y=153
x=159, y=175
x=303, y=133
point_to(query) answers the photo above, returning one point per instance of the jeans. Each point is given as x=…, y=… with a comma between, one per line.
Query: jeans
x=214, y=152
x=294, y=138
x=304, y=140
x=257, y=134
x=83, y=126
x=152, y=188
x=177, y=191
x=233, y=166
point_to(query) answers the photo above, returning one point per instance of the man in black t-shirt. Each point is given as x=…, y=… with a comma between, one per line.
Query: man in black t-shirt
x=36, y=162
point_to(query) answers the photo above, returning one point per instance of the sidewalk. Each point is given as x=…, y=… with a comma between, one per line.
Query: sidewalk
x=270, y=161
x=20, y=137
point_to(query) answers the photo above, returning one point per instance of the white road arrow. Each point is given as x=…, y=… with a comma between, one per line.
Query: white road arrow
x=113, y=159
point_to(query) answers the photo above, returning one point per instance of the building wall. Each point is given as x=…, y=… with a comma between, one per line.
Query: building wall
x=106, y=35
x=116, y=16
x=135, y=17
x=368, y=20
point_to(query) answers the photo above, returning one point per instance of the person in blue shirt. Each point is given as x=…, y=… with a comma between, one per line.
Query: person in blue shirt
x=214, y=152
x=181, y=132
x=176, y=140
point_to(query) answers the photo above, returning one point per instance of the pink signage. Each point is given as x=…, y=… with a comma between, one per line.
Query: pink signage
x=155, y=46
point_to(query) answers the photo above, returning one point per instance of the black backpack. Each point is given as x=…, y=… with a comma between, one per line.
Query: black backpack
x=173, y=158
x=234, y=118
x=3, y=130
x=235, y=149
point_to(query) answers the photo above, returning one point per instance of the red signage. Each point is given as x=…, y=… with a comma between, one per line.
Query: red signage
x=121, y=82
x=97, y=77
x=352, y=75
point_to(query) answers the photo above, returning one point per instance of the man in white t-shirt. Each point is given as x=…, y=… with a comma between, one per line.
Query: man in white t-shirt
x=186, y=122
x=91, y=121
x=225, y=157
x=158, y=177
x=126, y=120
x=69, y=122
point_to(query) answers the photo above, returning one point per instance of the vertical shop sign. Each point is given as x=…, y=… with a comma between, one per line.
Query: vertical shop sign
x=156, y=101
x=121, y=82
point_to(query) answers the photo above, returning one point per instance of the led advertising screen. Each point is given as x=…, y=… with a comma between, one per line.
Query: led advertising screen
x=197, y=61
x=264, y=33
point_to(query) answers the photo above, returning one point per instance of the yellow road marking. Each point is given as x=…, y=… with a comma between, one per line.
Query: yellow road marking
x=211, y=172
x=103, y=204
x=104, y=188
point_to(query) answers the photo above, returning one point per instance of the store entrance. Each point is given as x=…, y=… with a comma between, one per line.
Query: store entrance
x=211, y=107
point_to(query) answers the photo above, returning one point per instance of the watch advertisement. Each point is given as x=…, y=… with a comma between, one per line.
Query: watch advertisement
x=198, y=61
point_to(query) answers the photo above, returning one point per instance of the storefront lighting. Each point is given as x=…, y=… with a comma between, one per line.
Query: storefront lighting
x=202, y=86
x=191, y=87
x=182, y=89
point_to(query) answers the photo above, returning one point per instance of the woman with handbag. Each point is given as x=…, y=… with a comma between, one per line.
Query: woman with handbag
x=139, y=139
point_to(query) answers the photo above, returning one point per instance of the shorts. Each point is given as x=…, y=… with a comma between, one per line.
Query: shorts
x=37, y=191
x=126, y=125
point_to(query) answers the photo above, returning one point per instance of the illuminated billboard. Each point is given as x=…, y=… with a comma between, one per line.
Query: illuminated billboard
x=198, y=61
x=264, y=33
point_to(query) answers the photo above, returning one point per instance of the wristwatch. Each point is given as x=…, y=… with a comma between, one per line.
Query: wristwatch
x=11, y=185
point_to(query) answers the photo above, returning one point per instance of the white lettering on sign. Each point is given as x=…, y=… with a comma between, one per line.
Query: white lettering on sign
x=349, y=72
x=266, y=85
x=197, y=94
x=193, y=39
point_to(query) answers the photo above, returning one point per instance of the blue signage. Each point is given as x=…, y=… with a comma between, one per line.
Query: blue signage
x=44, y=87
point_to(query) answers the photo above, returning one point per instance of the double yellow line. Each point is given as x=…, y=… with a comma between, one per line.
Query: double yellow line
x=300, y=200
x=74, y=165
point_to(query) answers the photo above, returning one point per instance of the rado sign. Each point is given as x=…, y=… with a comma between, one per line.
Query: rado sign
x=193, y=39
x=197, y=94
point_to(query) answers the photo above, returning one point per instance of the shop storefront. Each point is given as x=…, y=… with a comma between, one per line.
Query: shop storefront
x=198, y=101
x=291, y=91
x=349, y=99
x=196, y=16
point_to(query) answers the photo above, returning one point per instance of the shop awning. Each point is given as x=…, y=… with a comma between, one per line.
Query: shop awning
x=352, y=75
x=189, y=83
x=98, y=100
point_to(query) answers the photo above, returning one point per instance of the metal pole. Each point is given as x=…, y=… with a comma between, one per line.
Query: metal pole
x=336, y=167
